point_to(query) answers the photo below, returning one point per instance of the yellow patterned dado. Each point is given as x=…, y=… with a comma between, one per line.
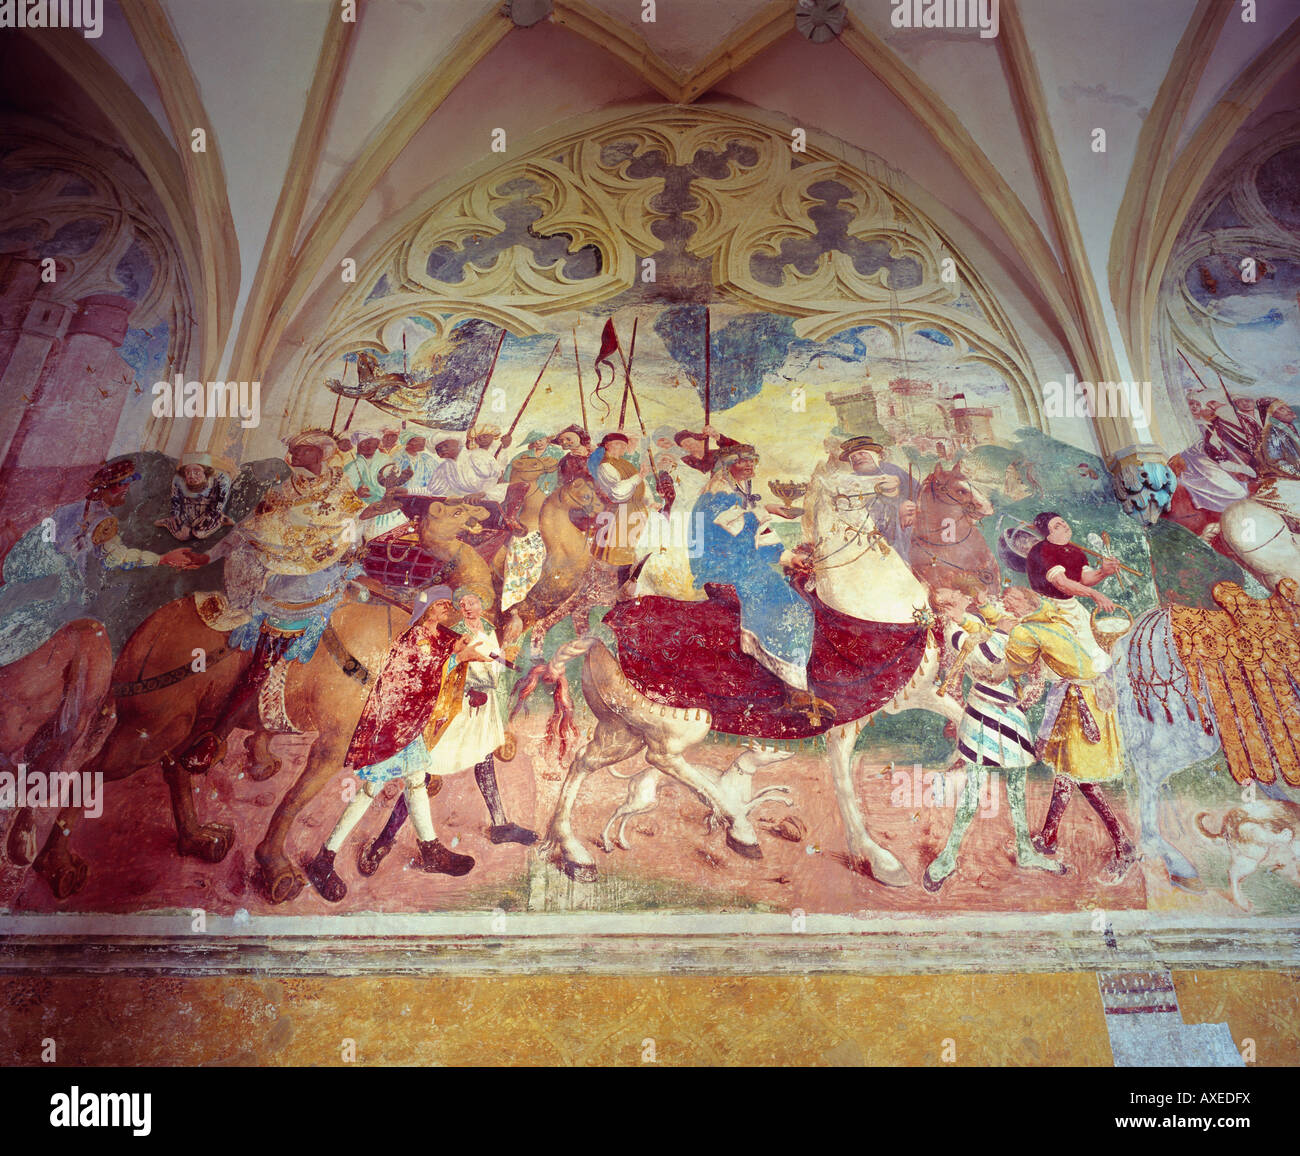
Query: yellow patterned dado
x=963, y=1020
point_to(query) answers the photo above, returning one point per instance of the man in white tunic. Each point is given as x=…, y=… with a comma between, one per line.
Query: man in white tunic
x=470, y=740
x=848, y=521
x=993, y=733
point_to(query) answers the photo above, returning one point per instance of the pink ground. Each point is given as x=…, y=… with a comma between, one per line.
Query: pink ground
x=134, y=865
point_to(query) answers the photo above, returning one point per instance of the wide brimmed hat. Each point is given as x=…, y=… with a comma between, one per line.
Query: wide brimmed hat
x=854, y=444
x=113, y=474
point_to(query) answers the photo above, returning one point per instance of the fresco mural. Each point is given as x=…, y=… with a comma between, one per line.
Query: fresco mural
x=705, y=550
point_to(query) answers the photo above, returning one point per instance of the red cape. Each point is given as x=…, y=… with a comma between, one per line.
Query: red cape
x=685, y=654
x=402, y=701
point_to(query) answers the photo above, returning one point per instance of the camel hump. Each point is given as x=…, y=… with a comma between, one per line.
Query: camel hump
x=173, y=629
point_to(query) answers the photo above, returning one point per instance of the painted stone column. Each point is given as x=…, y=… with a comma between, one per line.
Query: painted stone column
x=31, y=326
x=68, y=428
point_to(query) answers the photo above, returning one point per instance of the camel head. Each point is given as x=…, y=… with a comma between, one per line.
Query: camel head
x=444, y=521
x=580, y=494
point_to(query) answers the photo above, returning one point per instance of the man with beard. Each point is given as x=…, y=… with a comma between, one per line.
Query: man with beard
x=286, y=570
x=200, y=491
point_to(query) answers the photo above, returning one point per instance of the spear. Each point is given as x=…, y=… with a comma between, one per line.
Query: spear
x=707, y=367
x=513, y=424
x=1231, y=406
x=488, y=380
x=627, y=374
x=582, y=397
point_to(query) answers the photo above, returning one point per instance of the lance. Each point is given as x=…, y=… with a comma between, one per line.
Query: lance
x=628, y=390
x=513, y=424
x=356, y=401
x=582, y=397
x=627, y=374
x=338, y=398
x=707, y=375
x=488, y=380
x=1231, y=406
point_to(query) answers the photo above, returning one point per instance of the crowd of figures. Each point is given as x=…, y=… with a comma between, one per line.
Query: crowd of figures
x=515, y=543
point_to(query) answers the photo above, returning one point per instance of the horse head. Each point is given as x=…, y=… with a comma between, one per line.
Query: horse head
x=951, y=487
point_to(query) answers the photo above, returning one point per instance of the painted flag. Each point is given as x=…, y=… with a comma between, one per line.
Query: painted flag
x=605, y=360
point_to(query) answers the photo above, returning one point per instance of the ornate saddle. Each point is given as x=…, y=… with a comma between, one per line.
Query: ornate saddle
x=688, y=655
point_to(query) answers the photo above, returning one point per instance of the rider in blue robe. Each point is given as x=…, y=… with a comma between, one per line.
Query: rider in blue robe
x=737, y=547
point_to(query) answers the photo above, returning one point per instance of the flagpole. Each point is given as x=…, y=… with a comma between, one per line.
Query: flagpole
x=628, y=390
x=500, y=446
x=355, y=401
x=627, y=373
x=707, y=383
x=582, y=397
x=488, y=380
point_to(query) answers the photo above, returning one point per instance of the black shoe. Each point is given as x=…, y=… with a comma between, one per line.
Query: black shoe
x=371, y=856
x=1041, y=847
x=435, y=858
x=512, y=833
x=930, y=885
x=324, y=878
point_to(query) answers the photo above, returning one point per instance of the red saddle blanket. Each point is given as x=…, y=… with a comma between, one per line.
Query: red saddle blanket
x=687, y=654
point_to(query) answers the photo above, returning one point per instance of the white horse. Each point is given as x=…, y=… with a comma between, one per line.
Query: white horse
x=1260, y=537
x=853, y=574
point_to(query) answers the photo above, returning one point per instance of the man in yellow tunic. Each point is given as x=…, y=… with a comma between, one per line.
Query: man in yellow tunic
x=622, y=485
x=1079, y=736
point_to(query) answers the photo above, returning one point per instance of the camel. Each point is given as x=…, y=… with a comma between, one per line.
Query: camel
x=568, y=556
x=57, y=716
x=180, y=720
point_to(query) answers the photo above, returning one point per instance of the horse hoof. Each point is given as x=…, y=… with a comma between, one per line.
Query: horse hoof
x=744, y=850
x=21, y=844
x=579, y=872
x=894, y=877
x=65, y=879
x=211, y=842
x=1189, y=883
x=259, y=773
x=282, y=884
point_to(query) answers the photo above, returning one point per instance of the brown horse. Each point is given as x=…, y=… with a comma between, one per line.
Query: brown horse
x=58, y=714
x=947, y=546
x=568, y=555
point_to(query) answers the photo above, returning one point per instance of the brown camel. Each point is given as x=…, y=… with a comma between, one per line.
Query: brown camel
x=57, y=715
x=563, y=521
x=181, y=721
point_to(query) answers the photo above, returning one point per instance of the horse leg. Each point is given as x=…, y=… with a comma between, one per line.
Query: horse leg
x=208, y=841
x=20, y=843
x=666, y=745
x=865, y=854
x=612, y=742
